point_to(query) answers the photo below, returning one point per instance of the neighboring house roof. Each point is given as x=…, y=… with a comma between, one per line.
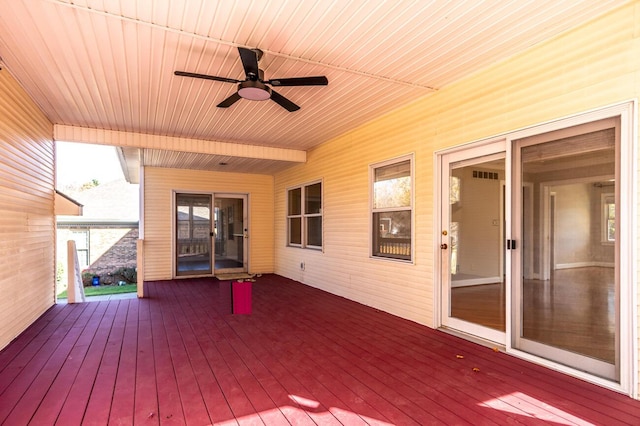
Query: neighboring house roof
x=65, y=205
x=114, y=201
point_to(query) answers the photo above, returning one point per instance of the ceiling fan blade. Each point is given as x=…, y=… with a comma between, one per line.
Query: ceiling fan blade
x=229, y=101
x=250, y=63
x=206, y=77
x=299, y=81
x=283, y=102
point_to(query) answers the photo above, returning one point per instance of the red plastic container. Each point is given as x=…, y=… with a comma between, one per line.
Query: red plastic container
x=241, y=297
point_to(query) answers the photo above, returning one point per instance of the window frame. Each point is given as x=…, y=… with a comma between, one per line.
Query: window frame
x=607, y=199
x=304, y=216
x=84, y=252
x=410, y=258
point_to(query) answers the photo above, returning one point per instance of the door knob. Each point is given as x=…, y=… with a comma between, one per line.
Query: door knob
x=443, y=246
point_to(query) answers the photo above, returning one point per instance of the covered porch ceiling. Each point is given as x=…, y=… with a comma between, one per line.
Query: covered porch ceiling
x=95, y=66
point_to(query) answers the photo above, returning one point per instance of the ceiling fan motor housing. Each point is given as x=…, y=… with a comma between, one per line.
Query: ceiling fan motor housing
x=254, y=90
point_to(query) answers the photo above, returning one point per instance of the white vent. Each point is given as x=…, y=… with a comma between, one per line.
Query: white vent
x=479, y=174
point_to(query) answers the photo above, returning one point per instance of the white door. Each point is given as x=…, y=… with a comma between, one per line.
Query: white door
x=231, y=233
x=473, y=285
x=567, y=306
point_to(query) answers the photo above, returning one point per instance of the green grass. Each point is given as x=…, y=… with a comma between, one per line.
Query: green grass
x=103, y=290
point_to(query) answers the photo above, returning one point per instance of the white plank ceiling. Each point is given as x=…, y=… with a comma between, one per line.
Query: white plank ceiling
x=108, y=64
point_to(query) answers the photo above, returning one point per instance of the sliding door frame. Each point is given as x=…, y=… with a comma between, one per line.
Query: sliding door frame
x=626, y=112
x=627, y=260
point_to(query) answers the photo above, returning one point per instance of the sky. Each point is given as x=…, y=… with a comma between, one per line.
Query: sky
x=80, y=163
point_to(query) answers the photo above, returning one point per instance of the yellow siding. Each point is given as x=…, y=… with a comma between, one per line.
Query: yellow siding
x=160, y=185
x=27, y=221
x=590, y=67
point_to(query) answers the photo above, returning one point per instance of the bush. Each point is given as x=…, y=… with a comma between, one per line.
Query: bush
x=87, y=277
x=130, y=275
x=110, y=277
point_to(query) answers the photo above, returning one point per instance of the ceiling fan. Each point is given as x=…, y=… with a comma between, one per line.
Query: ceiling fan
x=254, y=87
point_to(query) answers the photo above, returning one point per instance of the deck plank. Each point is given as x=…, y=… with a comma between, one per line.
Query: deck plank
x=250, y=400
x=27, y=340
x=147, y=391
x=302, y=357
x=335, y=353
x=47, y=364
x=384, y=360
x=100, y=399
x=26, y=346
x=216, y=405
x=119, y=403
x=58, y=393
x=542, y=382
x=265, y=378
x=72, y=412
x=188, y=396
x=208, y=328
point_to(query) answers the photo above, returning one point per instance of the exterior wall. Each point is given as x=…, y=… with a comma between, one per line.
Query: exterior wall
x=27, y=221
x=110, y=248
x=160, y=185
x=590, y=67
x=113, y=246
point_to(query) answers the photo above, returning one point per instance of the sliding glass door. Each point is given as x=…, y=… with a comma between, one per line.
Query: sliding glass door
x=535, y=248
x=193, y=234
x=231, y=233
x=567, y=303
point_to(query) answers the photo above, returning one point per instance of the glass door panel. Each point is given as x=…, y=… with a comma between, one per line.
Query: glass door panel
x=472, y=244
x=566, y=297
x=193, y=234
x=230, y=234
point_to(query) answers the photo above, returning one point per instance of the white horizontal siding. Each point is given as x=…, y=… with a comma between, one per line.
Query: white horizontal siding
x=27, y=221
x=593, y=66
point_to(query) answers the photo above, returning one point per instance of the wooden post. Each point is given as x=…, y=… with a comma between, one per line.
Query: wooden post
x=75, y=287
x=140, y=267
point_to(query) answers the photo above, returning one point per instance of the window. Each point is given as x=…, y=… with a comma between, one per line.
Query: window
x=608, y=218
x=392, y=209
x=81, y=238
x=304, y=216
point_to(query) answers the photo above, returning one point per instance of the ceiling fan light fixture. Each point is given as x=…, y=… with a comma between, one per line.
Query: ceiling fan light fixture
x=254, y=90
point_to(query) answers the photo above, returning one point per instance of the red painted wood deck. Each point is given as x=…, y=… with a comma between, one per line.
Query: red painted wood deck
x=302, y=357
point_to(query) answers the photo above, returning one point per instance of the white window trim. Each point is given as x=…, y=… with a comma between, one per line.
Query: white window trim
x=411, y=207
x=294, y=216
x=304, y=216
x=605, y=217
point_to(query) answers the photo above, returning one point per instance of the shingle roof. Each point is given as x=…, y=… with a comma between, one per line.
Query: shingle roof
x=116, y=200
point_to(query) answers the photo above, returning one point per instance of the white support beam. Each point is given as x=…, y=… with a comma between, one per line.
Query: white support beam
x=148, y=141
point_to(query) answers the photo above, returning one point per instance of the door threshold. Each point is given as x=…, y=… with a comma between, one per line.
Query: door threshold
x=475, y=339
